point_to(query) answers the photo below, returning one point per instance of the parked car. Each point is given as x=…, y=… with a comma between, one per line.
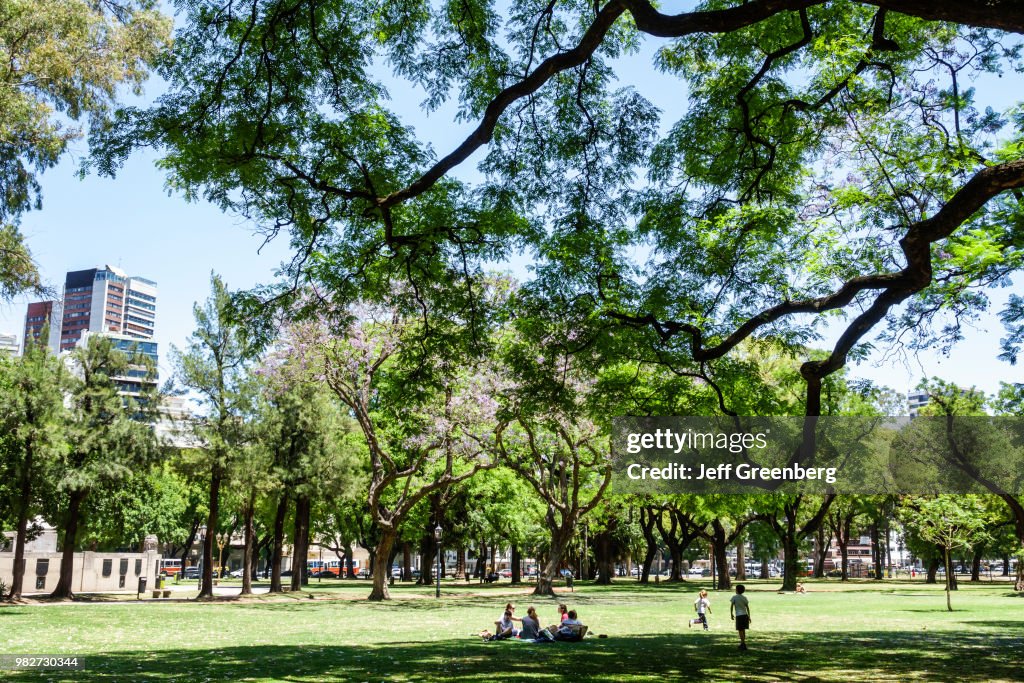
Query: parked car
x=506, y=573
x=197, y=572
x=364, y=573
x=324, y=574
x=237, y=574
x=696, y=571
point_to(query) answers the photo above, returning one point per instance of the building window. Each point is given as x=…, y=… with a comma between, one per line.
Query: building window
x=42, y=567
x=120, y=581
x=124, y=566
x=108, y=566
x=40, y=583
x=138, y=567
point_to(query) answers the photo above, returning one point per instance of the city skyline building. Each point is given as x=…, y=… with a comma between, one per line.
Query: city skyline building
x=137, y=376
x=106, y=300
x=38, y=316
x=9, y=344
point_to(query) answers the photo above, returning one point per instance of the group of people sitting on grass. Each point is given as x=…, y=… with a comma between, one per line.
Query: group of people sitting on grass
x=568, y=629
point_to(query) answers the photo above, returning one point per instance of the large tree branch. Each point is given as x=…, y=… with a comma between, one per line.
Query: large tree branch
x=1007, y=15
x=896, y=286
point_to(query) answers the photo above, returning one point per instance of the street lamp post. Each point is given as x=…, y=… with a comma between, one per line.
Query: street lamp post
x=437, y=538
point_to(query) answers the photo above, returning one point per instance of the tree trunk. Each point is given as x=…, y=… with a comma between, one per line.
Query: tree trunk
x=186, y=549
x=949, y=574
x=350, y=568
x=718, y=548
x=843, y=531
x=933, y=570
x=820, y=550
x=460, y=564
x=278, y=552
x=976, y=566
x=741, y=562
x=257, y=553
x=481, y=562
x=18, y=576
x=24, y=502
x=428, y=556
x=560, y=537
x=675, y=547
x=603, y=558
x=517, y=574
x=381, y=570
x=250, y=542
x=790, y=559
x=406, y=562
x=67, y=559
x=301, y=543
x=647, y=527
x=206, y=590
x=876, y=552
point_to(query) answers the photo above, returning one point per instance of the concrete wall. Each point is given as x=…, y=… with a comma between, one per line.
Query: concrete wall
x=88, y=574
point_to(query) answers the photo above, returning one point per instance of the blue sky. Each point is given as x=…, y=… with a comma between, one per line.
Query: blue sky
x=132, y=222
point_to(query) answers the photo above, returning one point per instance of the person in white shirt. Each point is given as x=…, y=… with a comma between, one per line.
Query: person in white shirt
x=739, y=611
x=570, y=629
x=703, y=607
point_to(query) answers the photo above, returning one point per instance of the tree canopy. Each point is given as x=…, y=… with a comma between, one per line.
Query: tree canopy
x=827, y=161
x=63, y=63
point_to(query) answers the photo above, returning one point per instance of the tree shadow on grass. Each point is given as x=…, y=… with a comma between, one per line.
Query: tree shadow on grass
x=998, y=625
x=856, y=656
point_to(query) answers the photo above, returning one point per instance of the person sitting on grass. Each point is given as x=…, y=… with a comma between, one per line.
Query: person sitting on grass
x=801, y=589
x=571, y=629
x=503, y=628
x=531, y=625
x=739, y=611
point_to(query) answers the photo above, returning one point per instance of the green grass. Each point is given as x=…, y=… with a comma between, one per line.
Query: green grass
x=854, y=632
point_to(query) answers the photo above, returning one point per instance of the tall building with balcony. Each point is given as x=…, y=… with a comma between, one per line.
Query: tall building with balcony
x=106, y=300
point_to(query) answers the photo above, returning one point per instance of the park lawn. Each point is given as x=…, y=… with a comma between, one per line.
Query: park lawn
x=853, y=632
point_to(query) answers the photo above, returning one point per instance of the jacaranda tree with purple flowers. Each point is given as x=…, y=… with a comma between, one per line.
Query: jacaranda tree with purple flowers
x=426, y=428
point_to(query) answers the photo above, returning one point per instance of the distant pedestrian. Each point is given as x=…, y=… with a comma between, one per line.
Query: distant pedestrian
x=703, y=607
x=739, y=611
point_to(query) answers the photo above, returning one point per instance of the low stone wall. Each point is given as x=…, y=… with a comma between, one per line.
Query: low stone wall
x=92, y=572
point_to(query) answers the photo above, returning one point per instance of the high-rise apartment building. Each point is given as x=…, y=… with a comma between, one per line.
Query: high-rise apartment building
x=916, y=399
x=106, y=300
x=39, y=315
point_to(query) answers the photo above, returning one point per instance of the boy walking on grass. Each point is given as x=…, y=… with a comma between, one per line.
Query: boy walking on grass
x=739, y=611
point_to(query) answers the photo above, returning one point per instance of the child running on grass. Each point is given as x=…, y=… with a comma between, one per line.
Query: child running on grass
x=739, y=610
x=703, y=607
